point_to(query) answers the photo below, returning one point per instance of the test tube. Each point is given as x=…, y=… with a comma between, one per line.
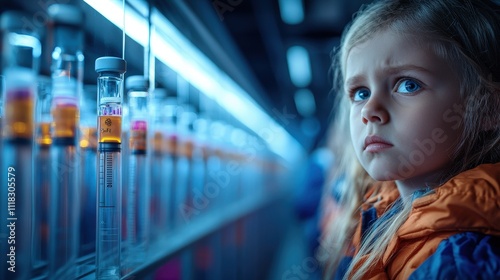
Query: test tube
x=195, y=127
x=67, y=86
x=88, y=175
x=20, y=53
x=42, y=177
x=169, y=161
x=200, y=152
x=125, y=165
x=160, y=174
x=184, y=175
x=138, y=192
x=2, y=90
x=238, y=140
x=215, y=160
x=109, y=188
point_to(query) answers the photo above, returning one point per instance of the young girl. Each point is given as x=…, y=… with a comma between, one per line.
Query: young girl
x=420, y=82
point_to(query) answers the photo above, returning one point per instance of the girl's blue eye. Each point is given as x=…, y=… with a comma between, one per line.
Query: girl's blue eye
x=361, y=94
x=408, y=86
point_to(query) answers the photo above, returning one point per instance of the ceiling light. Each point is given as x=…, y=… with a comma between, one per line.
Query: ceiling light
x=304, y=102
x=299, y=66
x=292, y=11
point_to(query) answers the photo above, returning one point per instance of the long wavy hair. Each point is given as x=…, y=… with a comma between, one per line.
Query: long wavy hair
x=466, y=33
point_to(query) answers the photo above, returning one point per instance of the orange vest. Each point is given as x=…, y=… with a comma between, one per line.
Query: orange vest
x=469, y=202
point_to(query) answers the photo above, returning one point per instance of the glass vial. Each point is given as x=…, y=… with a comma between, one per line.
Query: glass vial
x=109, y=189
x=42, y=169
x=87, y=170
x=21, y=51
x=138, y=189
x=67, y=85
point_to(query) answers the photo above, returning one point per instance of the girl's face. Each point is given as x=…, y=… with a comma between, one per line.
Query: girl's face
x=405, y=109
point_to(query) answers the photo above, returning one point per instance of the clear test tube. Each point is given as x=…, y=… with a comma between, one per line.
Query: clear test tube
x=87, y=170
x=220, y=177
x=138, y=191
x=67, y=86
x=215, y=160
x=170, y=161
x=125, y=165
x=198, y=200
x=160, y=171
x=2, y=90
x=42, y=177
x=183, y=206
x=109, y=188
x=20, y=54
x=239, y=141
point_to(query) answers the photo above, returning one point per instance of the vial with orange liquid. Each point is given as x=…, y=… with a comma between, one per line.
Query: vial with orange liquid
x=64, y=28
x=138, y=187
x=109, y=187
x=20, y=49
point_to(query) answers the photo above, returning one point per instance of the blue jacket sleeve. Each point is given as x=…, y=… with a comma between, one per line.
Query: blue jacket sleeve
x=466, y=255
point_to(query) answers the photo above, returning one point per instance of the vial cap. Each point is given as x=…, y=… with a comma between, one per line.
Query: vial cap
x=110, y=64
x=65, y=13
x=137, y=83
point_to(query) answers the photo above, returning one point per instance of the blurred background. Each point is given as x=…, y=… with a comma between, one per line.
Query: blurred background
x=229, y=183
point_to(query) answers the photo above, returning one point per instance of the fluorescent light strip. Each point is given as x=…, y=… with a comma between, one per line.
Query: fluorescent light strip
x=177, y=52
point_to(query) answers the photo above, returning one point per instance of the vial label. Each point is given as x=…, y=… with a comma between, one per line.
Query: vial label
x=110, y=129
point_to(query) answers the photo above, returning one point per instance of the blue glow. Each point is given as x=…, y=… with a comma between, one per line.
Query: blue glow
x=305, y=103
x=292, y=11
x=299, y=66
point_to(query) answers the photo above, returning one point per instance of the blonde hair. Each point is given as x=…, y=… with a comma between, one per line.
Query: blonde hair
x=349, y=178
x=465, y=34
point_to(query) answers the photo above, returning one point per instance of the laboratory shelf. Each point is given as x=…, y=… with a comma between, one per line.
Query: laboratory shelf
x=196, y=230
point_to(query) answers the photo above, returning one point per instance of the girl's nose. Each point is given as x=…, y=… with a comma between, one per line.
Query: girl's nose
x=374, y=111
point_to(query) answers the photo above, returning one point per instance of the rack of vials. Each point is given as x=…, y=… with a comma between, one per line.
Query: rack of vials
x=119, y=179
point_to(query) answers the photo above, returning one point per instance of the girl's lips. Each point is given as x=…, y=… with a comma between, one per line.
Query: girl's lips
x=374, y=143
